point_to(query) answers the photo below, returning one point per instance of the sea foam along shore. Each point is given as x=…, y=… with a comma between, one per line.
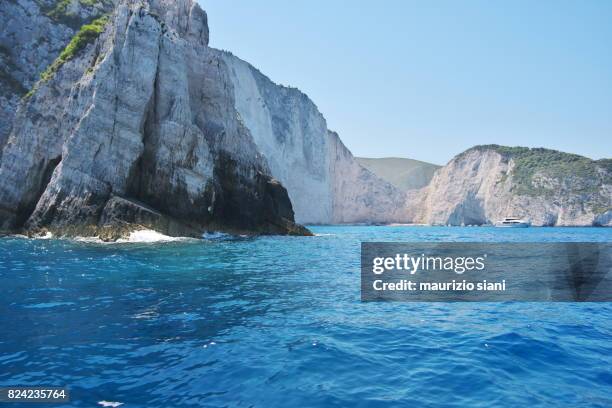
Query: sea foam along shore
x=151, y=236
x=140, y=236
x=145, y=236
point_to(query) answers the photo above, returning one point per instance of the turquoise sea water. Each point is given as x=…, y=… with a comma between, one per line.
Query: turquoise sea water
x=277, y=322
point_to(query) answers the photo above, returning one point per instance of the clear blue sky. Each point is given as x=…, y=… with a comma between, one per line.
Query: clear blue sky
x=429, y=79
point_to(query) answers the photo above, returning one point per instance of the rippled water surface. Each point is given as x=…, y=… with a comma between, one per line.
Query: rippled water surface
x=277, y=322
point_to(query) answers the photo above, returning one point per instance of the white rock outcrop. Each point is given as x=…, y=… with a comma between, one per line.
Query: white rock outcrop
x=487, y=183
x=325, y=182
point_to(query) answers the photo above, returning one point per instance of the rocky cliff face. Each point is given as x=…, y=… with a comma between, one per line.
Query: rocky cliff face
x=487, y=183
x=136, y=122
x=325, y=182
x=33, y=34
x=359, y=195
x=135, y=125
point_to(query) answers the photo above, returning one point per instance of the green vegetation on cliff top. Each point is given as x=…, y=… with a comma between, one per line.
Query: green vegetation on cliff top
x=86, y=35
x=565, y=171
x=60, y=11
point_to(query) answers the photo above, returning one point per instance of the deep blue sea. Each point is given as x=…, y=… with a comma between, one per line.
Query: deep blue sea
x=278, y=322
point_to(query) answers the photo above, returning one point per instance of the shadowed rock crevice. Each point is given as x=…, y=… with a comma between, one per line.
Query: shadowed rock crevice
x=25, y=210
x=469, y=212
x=270, y=211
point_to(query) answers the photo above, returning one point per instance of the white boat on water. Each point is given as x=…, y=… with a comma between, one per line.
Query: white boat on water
x=513, y=222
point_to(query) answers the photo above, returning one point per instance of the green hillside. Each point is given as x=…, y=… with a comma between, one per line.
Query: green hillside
x=546, y=172
x=577, y=174
x=405, y=174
